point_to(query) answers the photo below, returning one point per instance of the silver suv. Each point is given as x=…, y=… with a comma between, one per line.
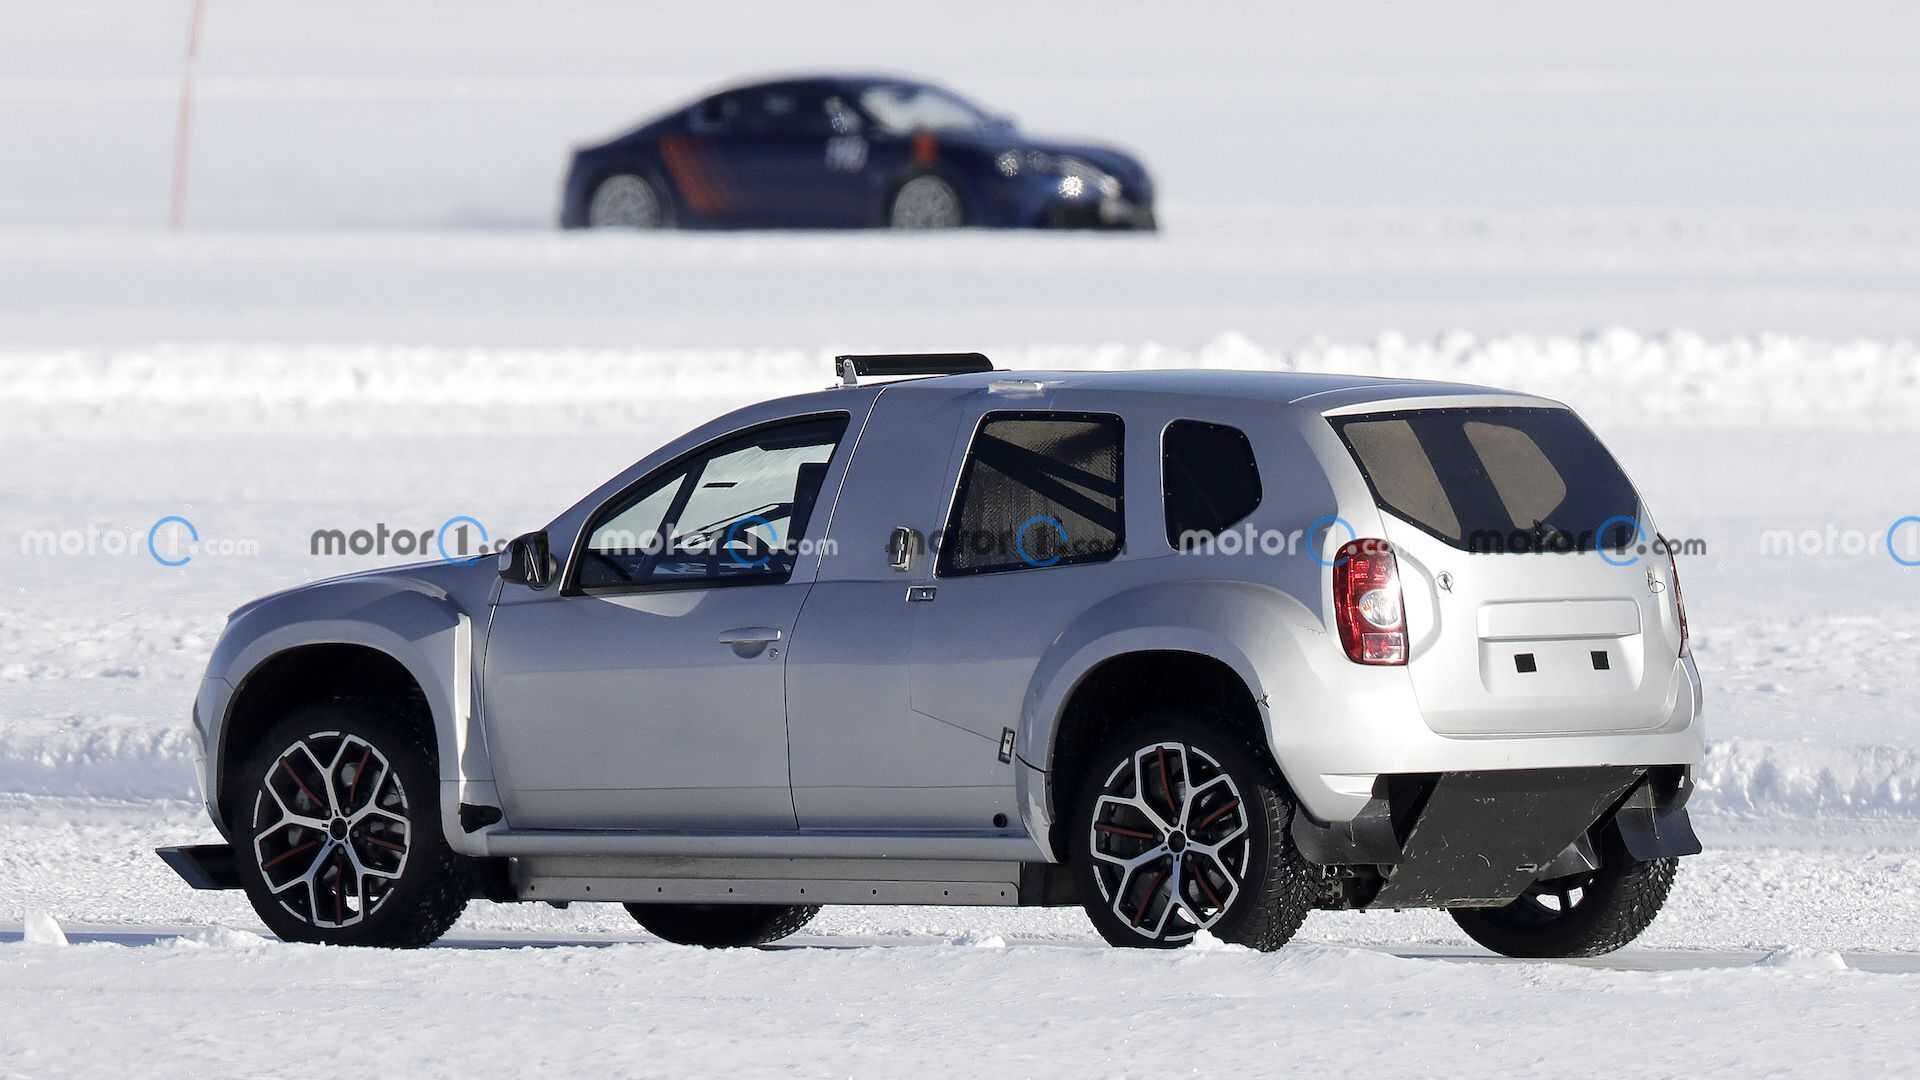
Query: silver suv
x=1198, y=650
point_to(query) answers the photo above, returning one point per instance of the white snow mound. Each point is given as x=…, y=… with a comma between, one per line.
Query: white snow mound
x=41, y=929
x=1808, y=779
x=217, y=937
x=1796, y=958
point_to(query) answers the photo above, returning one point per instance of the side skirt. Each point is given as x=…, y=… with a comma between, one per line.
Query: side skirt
x=671, y=880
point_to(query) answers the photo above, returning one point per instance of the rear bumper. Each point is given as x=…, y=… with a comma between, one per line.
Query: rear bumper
x=1475, y=839
x=1335, y=734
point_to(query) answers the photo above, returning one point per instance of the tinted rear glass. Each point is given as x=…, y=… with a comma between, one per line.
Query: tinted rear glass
x=1209, y=479
x=1495, y=480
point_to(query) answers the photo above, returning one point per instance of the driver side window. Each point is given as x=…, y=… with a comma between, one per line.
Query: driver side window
x=732, y=513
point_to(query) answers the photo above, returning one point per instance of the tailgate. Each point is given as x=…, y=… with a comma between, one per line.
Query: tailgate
x=1534, y=603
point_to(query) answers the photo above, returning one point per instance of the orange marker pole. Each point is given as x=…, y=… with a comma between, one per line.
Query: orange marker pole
x=183, y=125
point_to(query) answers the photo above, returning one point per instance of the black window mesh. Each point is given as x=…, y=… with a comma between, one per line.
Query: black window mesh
x=1208, y=477
x=1037, y=492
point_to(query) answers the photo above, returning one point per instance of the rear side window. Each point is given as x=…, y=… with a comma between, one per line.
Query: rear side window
x=1208, y=478
x=1037, y=490
x=1495, y=480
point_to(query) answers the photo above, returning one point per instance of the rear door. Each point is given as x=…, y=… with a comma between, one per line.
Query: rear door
x=1536, y=600
x=782, y=159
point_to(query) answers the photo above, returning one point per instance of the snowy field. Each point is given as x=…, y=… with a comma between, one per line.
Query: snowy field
x=1701, y=227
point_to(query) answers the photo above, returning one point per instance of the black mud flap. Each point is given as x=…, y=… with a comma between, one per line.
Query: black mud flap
x=1653, y=822
x=203, y=866
x=1483, y=837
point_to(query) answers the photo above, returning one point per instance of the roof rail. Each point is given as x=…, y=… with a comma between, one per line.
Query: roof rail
x=850, y=368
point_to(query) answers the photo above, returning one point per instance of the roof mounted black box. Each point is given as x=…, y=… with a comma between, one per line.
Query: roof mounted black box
x=850, y=368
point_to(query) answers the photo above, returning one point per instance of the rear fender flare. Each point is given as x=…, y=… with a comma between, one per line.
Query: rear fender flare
x=1254, y=630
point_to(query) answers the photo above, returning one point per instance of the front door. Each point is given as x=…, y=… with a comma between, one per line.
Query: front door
x=648, y=691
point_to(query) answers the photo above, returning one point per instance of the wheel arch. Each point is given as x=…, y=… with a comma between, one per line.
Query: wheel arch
x=643, y=160
x=1208, y=644
x=398, y=643
x=303, y=675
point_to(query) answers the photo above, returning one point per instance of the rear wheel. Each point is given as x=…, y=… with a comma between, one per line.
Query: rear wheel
x=1583, y=915
x=626, y=201
x=339, y=839
x=722, y=926
x=1180, y=827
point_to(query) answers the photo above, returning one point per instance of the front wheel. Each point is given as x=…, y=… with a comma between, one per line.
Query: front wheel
x=1181, y=827
x=338, y=838
x=1583, y=915
x=722, y=926
x=927, y=202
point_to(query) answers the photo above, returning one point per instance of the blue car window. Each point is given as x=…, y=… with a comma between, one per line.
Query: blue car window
x=715, y=113
x=904, y=108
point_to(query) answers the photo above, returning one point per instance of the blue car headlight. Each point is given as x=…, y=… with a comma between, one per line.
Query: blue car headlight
x=1077, y=178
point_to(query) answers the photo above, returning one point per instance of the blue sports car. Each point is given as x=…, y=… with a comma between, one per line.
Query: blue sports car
x=847, y=152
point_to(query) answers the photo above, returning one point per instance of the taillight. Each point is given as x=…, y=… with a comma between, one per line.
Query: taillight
x=1679, y=602
x=1366, y=603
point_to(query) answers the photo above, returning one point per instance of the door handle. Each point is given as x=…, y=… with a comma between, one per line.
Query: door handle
x=748, y=642
x=902, y=545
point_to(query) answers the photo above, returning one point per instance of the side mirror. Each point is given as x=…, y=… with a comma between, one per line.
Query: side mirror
x=525, y=561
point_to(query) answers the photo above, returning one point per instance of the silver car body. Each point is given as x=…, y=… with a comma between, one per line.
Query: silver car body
x=867, y=716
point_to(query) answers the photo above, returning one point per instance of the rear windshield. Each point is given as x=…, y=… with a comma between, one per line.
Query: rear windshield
x=1495, y=480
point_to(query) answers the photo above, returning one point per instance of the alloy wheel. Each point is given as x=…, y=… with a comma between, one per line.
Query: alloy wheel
x=1546, y=901
x=1170, y=841
x=330, y=829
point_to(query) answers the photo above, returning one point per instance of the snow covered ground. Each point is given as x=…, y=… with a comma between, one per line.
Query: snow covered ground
x=1698, y=226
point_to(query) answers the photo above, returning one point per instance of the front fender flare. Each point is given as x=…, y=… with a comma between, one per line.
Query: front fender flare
x=418, y=626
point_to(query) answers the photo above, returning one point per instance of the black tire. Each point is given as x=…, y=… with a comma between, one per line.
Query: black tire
x=1271, y=882
x=297, y=877
x=722, y=926
x=1588, y=915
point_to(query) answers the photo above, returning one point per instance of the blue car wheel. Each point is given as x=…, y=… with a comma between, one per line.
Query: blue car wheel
x=927, y=202
x=625, y=201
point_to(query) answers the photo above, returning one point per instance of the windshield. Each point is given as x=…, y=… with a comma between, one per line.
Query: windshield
x=905, y=107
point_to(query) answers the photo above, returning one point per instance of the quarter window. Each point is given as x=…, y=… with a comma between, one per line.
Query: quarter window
x=734, y=513
x=1037, y=490
x=1208, y=478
